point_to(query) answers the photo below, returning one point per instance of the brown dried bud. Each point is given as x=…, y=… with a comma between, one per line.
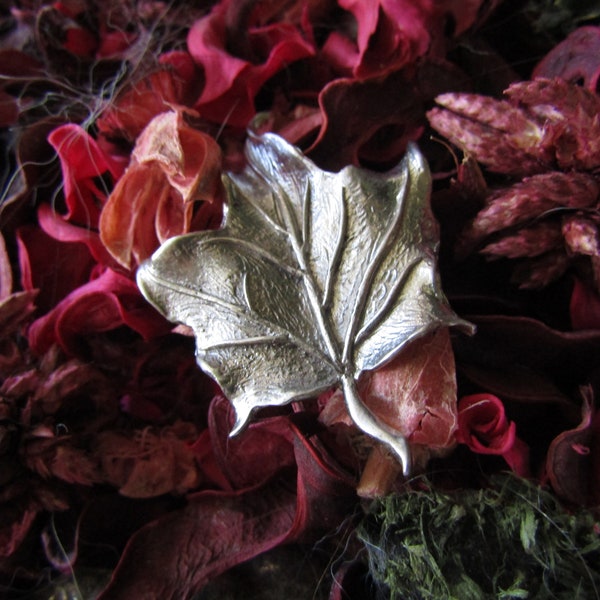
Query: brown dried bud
x=545, y=123
x=581, y=235
x=538, y=272
x=528, y=241
x=528, y=200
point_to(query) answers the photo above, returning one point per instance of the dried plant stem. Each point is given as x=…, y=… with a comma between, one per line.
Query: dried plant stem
x=379, y=474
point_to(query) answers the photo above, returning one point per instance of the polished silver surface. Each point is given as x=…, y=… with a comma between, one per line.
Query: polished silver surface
x=314, y=278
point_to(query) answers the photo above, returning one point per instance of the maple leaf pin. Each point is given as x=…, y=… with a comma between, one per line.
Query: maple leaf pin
x=314, y=278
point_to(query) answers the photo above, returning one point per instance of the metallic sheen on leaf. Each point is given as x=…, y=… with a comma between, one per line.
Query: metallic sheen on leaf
x=315, y=278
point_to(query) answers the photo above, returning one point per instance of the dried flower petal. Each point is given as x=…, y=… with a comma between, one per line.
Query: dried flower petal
x=103, y=304
x=149, y=463
x=232, y=82
x=132, y=110
x=484, y=428
x=390, y=35
x=172, y=165
x=82, y=162
x=544, y=123
x=416, y=393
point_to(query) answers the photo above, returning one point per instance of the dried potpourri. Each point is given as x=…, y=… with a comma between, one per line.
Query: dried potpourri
x=118, y=478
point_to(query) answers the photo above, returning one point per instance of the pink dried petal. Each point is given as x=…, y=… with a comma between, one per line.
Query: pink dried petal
x=581, y=235
x=232, y=82
x=570, y=116
x=415, y=394
x=6, y=280
x=138, y=104
x=82, y=163
x=498, y=114
x=528, y=241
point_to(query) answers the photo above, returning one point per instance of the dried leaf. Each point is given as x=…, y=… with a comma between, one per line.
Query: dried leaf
x=316, y=278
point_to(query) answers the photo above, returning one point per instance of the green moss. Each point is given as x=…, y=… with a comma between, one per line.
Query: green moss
x=509, y=541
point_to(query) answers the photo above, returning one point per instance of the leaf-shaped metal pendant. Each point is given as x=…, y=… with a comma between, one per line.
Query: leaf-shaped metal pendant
x=314, y=278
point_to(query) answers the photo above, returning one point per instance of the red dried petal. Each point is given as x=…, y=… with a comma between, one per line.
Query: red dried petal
x=219, y=530
x=175, y=556
x=128, y=220
x=573, y=475
x=82, y=162
x=354, y=113
x=138, y=104
x=574, y=59
x=103, y=304
x=484, y=428
x=53, y=268
x=190, y=159
x=253, y=457
x=172, y=165
x=64, y=232
x=584, y=307
x=390, y=35
x=233, y=82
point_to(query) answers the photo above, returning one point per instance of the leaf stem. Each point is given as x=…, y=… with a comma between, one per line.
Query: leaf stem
x=372, y=426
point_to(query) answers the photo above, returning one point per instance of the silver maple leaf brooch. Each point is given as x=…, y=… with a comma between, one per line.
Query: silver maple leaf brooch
x=314, y=278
